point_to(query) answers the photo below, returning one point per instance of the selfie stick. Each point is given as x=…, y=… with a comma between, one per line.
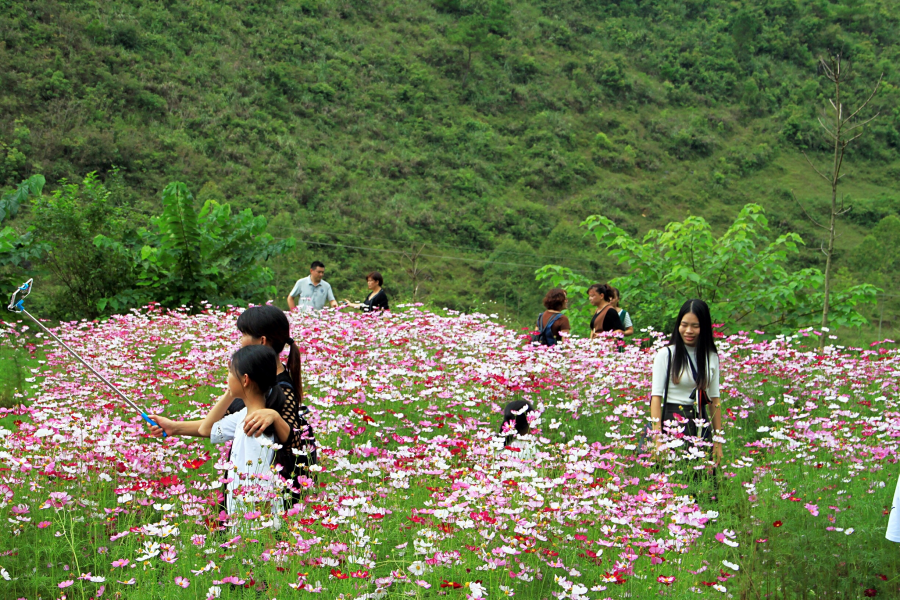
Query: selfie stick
x=17, y=305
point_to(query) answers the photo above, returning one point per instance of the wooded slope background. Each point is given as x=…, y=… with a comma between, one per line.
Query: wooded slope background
x=484, y=130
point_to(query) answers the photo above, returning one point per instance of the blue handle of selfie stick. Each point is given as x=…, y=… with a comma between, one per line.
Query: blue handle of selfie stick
x=18, y=306
x=151, y=421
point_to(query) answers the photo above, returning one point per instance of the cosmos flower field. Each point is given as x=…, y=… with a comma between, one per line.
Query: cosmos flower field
x=417, y=497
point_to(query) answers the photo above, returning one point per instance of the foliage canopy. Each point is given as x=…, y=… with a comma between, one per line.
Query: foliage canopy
x=742, y=275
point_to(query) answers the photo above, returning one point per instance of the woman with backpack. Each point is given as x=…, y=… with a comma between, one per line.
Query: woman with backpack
x=686, y=381
x=606, y=317
x=552, y=323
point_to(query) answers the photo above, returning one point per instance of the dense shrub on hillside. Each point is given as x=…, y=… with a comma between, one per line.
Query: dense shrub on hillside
x=408, y=125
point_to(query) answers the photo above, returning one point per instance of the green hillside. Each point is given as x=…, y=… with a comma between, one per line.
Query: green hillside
x=484, y=130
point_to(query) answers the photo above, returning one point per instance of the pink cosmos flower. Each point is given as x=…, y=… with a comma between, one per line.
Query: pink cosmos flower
x=120, y=563
x=182, y=582
x=43, y=524
x=66, y=583
x=59, y=499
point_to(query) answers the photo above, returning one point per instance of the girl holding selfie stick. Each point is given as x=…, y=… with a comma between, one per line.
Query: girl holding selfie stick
x=267, y=326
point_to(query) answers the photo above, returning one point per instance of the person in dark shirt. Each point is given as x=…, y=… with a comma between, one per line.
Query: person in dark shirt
x=555, y=302
x=606, y=318
x=377, y=299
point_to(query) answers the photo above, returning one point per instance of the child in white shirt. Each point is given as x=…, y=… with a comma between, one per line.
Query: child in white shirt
x=253, y=485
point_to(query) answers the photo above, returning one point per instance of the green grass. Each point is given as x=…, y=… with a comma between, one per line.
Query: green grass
x=15, y=367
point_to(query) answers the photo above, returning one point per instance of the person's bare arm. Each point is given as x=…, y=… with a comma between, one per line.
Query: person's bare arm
x=629, y=331
x=333, y=303
x=717, y=427
x=258, y=421
x=656, y=415
x=174, y=428
x=188, y=428
x=291, y=304
x=565, y=326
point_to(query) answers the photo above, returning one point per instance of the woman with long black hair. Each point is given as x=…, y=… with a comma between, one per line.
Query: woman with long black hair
x=686, y=379
x=284, y=416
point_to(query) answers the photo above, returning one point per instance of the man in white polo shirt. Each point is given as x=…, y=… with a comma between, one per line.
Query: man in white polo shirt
x=314, y=288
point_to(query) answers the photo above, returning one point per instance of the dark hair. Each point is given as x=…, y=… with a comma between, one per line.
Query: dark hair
x=555, y=299
x=376, y=276
x=705, y=343
x=603, y=289
x=316, y=264
x=259, y=364
x=615, y=292
x=270, y=322
x=521, y=420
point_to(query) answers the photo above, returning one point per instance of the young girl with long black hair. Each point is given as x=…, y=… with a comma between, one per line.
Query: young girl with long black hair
x=686, y=379
x=252, y=378
x=267, y=326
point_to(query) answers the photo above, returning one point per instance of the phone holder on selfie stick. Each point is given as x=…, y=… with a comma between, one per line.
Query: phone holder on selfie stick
x=17, y=305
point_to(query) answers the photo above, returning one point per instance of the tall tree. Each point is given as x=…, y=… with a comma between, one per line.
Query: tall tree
x=841, y=128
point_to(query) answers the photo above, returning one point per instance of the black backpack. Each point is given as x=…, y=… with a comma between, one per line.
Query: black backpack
x=545, y=336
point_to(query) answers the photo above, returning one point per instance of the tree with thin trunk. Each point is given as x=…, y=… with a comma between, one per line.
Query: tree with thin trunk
x=841, y=128
x=414, y=270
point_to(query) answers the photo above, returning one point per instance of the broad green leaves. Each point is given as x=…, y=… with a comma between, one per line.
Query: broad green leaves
x=31, y=187
x=186, y=258
x=742, y=274
x=17, y=249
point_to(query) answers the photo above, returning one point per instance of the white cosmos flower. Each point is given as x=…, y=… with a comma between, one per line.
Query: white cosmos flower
x=731, y=565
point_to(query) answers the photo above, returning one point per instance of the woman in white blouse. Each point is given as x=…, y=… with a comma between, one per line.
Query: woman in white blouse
x=252, y=486
x=686, y=380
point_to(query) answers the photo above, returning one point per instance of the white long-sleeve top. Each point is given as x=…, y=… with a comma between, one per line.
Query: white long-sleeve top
x=893, y=527
x=680, y=393
x=252, y=462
